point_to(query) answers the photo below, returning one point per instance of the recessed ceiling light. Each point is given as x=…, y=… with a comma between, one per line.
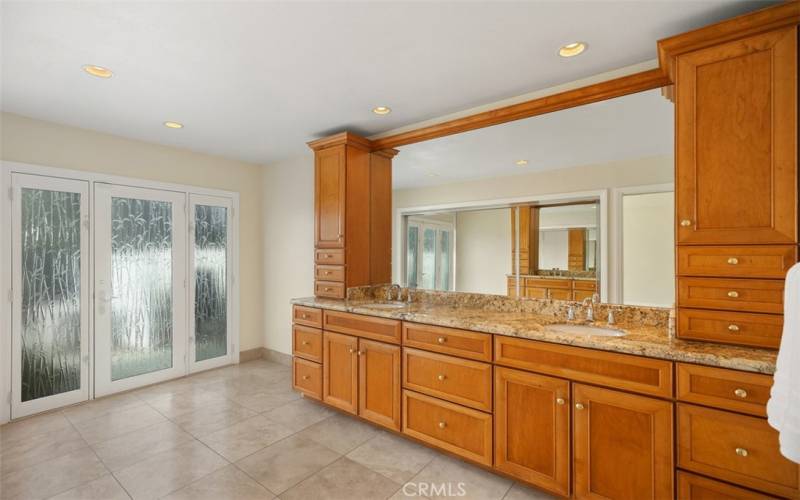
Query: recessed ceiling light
x=521, y=163
x=382, y=110
x=173, y=125
x=98, y=71
x=572, y=49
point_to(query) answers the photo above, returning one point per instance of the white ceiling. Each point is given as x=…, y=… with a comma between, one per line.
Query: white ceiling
x=630, y=127
x=256, y=80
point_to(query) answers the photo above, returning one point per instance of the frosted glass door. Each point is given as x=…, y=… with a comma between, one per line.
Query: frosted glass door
x=210, y=279
x=50, y=322
x=140, y=287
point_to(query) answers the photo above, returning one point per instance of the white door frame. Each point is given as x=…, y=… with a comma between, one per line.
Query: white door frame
x=18, y=407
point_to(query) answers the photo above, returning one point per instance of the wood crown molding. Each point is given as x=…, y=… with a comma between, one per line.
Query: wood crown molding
x=347, y=138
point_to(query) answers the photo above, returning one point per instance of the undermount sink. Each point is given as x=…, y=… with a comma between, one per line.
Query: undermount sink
x=387, y=305
x=585, y=330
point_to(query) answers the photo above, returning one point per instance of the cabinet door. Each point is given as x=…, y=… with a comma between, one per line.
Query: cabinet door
x=329, y=197
x=379, y=383
x=531, y=428
x=622, y=445
x=736, y=117
x=340, y=368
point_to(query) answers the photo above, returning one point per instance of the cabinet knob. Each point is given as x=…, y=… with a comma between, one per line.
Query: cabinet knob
x=441, y=340
x=328, y=256
x=740, y=393
x=305, y=342
x=328, y=289
x=733, y=328
x=351, y=350
x=441, y=376
x=560, y=401
x=733, y=294
x=742, y=452
x=305, y=316
x=360, y=352
x=686, y=223
x=579, y=406
x=306, y=377
x=442, y=425
x=733, y=261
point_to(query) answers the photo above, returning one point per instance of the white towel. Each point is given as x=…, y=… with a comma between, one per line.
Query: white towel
x=783, y=409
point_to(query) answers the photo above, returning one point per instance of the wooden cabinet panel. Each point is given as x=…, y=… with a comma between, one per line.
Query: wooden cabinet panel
x=307, y=343
x=329, y=289
x=763, y=296
x=307, y=377
x=329, y=256
x=329, y=273
x=455, y=428
x=581, y=295
x=576, y=249
x=463, y=343
x=329, y=200
x=548, y=283
x=736, y=153
x=693, y=487
x=633, y=373
x=762, y=261
x=585, y=285
x=532, y=428
x=459, y=380
x=559, y=294
x=758, y=330
x=381, y=329
x=340, y=368
x=379, y=383
x=308, y=316
x=622, y=445
x=535, y=293
x=736, y=448
x=727, y=389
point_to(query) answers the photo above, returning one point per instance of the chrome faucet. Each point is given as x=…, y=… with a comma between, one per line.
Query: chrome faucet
x=589, y=303
x=390, y=289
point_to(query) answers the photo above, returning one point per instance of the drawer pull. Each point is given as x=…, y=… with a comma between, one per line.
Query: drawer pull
x=328, y=256
x=560, y=401
x=733, y=328
x=686, y=223
x=579, y=406
x=733, y=261
x=441, y=340
x=740, y=393
x=329, y=289
x=741, y=452
x=305, y=342
x=306, y=377
x=442, y=425
x=360, y=353
x=327, y=273
x=351, y=350
x=441, y=376
x=733, y=294
x=305, y=316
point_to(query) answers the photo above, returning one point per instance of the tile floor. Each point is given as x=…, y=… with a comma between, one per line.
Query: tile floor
x=238, y=432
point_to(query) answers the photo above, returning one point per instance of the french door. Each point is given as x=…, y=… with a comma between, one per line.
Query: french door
x=50, y=293
x=141, y=330
x=429, y=255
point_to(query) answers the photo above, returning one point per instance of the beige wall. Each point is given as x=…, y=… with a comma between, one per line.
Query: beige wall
x=43, y=143
x=483, y=251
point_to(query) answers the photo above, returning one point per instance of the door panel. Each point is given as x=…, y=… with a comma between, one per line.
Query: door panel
x=50, y=281
x=330, y=197
x=379, y=383
x=340, y=371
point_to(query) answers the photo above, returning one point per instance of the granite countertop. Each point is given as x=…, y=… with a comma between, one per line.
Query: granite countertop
x=639, y=340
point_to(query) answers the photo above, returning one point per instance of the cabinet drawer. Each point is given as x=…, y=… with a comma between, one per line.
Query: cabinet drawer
x=736, y=448
x=585, y=285
x=559, y=294
x=329, y=256
x=535, y=293
x=329, y=289
x=758, y=330
x=329, y=273
x=307, y=343
x=308, y=316
x=727, y=389
x=633, y=373
x=384, y=330
x=546, y=283
x=457, y=429
x=464, y=343
x=764, y=296
x=692, y=487
x=762, y=261
x=307, y=377
x=458, y=380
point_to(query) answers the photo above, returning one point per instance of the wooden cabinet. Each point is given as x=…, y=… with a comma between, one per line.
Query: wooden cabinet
x=462, y=343
x=576, y=249
x=330, y=191
x=622, y=445
x=693, y=487
x=727, y=327
x=379, y=383
x=727, y=389
x=461, y=381
x=532, y=428
x=736, y=155
x=307, y=377
x=307, y=343
x=340, y=369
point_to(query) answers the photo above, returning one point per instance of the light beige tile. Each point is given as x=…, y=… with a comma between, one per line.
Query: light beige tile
x=396, y=458
x=173, y=405
x=165, y=388
x=169, y=471
x=102, y=406
x=130, y=448
x=343, y=479
x=446, y=476
x=299, y=414
x=245, y=438
x=32, y=426
x=280, y=466
x=228, y=483
x=104, y=488
x=117, y=423
x=38, y=448
x=213, y=418
x=52, y=477
x=340, y=433
x=521, y=492
x=272, y=395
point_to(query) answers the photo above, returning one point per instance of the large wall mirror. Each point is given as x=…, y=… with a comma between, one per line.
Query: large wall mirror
x=564, y=206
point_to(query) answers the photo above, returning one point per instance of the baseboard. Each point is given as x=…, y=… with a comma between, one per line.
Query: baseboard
x=264, y=353
x=251, y=354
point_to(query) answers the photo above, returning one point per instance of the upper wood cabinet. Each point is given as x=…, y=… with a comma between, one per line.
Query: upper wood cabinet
x=330, y=197
x=736, y=133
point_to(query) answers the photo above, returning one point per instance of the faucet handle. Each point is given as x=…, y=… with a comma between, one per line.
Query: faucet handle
x=571, y=313
x=595, y=298
x=610, y=320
